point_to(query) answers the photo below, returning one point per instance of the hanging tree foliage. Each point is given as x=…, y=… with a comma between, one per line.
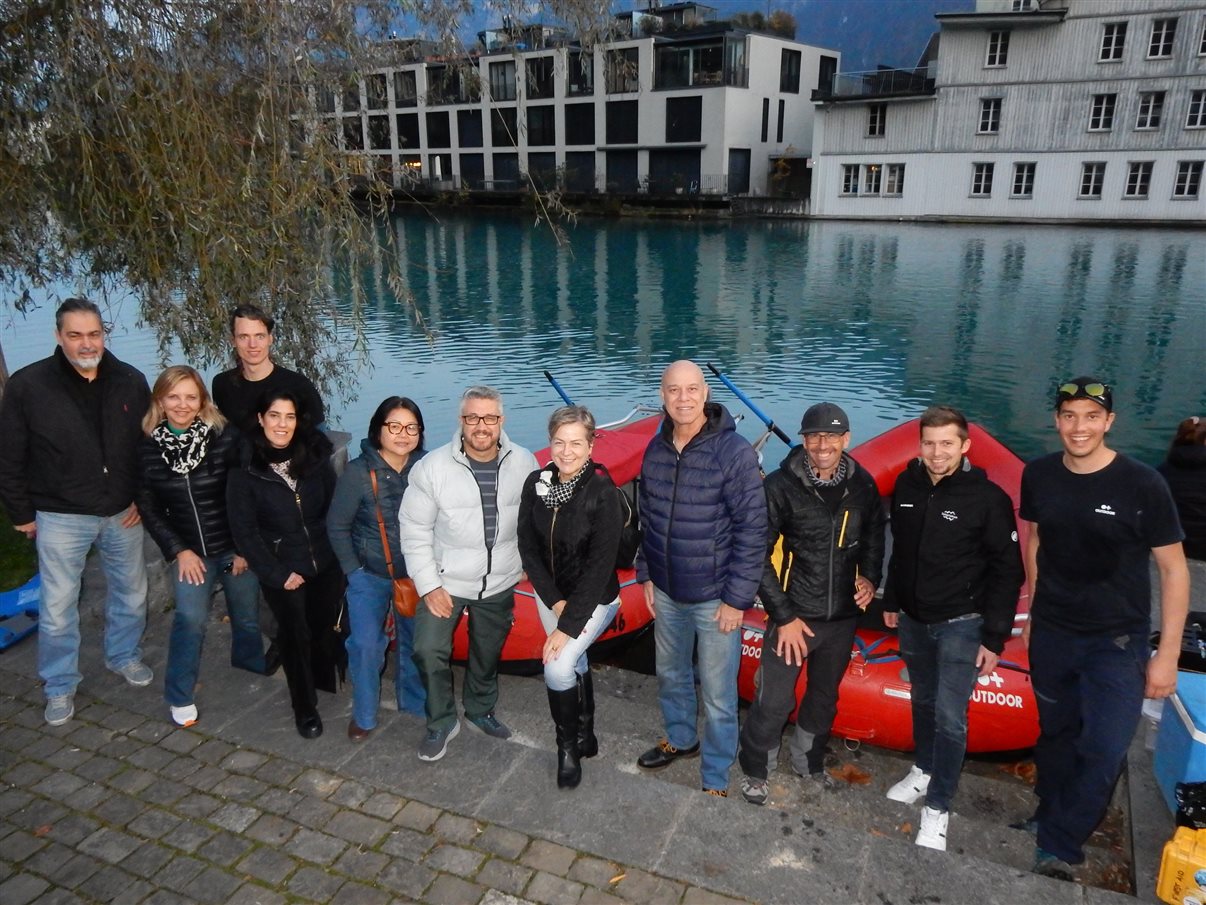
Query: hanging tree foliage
x=172, y=144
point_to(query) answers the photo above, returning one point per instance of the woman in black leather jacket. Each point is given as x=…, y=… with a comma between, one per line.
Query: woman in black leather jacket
x=183, y=464
x=278, y=505
x=570, y=519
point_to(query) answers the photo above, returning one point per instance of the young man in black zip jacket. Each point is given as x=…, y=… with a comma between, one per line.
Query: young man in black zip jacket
x=952, y=592
x=825, y=511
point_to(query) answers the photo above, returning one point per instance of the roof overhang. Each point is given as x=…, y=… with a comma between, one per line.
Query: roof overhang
x=1002, y=20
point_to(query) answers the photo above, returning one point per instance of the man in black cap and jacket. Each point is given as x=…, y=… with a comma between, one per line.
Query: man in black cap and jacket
x=827, y=521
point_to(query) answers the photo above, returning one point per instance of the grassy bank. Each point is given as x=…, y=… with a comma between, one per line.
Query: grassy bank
x=18, y=558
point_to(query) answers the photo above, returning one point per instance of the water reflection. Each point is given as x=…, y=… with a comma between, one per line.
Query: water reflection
x=881, y=318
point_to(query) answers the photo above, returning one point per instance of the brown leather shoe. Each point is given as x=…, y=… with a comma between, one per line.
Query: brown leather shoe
x=355, y=733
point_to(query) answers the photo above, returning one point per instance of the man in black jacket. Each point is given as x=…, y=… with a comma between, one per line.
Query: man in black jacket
x=827, y=521
x=952, y=592
x=71, y=425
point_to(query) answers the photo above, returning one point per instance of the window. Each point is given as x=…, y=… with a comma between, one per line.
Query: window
x=351, y=98
x=850, y=179
x=1101, y=114
x=1092, y=178
x=1202, y=41
x=877, y=115
x=579, y=124
x=1023, y=180
x=503, y=128
x=378, y=130
x=894, y=180
x=622, y=122
x=1151, y=106
x=405, y=92
x=469, y=128
x=353, y=133
x=408, y=130
x=981, y=180
x=1019, y=6
x=684, y=118
x=581, y=75
x=765, y=117
x=623, y=70
x=438, y=130
x=502, y=80
x=826, y=71
x=874, y=176
x=990, y=116
x=1138, y=179
x=542, y=125
x=1113, y=40
x=540, y=77
x=1197, y=110
x=998, y=48
x=779, y=127
x=375, y=91
x=1189, y=179
x=439, y=166
x=789, y=71
x=1164, y=32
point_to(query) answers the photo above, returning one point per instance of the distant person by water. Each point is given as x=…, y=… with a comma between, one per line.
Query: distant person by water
x=1185, y=471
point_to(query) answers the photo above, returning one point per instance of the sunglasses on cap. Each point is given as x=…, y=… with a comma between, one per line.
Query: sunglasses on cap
x=1095, y=390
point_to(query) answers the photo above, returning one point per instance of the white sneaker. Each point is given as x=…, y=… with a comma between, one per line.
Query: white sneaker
x=184, y=716
x=933, y=829
x=912, y=788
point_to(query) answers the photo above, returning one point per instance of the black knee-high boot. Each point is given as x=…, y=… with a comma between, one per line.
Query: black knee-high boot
x=564, y=707
x=588, y=744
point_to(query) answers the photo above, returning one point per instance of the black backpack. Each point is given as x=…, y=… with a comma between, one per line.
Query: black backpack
x=630, y=532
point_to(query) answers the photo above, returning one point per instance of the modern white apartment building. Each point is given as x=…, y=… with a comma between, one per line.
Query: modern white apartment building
x=1038, y=110
x=675, y=103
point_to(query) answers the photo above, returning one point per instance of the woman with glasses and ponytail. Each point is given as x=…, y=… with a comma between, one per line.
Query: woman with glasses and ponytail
x=365, y=509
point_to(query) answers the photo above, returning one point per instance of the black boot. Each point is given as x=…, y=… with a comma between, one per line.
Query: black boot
x=564, y=707
x=588, y=744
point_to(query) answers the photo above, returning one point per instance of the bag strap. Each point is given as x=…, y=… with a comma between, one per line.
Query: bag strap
x=389, y=560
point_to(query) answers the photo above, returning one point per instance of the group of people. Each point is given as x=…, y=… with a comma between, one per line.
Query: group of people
x=240, y=489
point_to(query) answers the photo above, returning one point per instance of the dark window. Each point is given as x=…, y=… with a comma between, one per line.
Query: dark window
x=622, y=171
x=440, y=166
x=1023, y=180
x=1164, y=32
x=1138, y=179
x=502, y=80
x=506, y=171
x=542, y=170
x=739, y=171
x=581, y=75
x=1151, y=108
x=378, y=128
x=408, y=130
x=412, y=167
x=1113, y=42
x=684, y=118
x=826, y=70
x=438, y=134
x=326, y=100
x=353, y=133
x=441, y=85
x=540, y=77
x=579, y=124
x=375, y=91
x=622, y=122
x=542, y=125
x=765, y=117
x=1189, y=179
x=674, y=171
x=405, y=92
x=1196, y=117
x=990, y=116
x=473, y=170
x=998, y=48
x=981, y=179
x=789, y=71
x=1092, y=178
x=351, y=98
x=779, y=127
x=623, y=70
x=469, y=128
x=1101, y=113
x=877, y=117
x=580, y=171
x=504, y=131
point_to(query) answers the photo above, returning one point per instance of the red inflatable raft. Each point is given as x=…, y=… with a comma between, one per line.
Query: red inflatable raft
x=621, y=449
x=873, y=703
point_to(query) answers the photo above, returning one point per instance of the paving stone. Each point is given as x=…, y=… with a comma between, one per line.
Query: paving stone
x=72, y=829
x=148, y=860
x=311, y=845
x=311, y=811
x=178, y=873
x=123, y=747
x=19, y=845
x=198, y=805
x=278, y=772
x=350, y=794
x=106, y=884
x=407, y=844
x=98, y=768
x=454, y=860
x=91, y=737
x=243, y=761
x=15, y=738
x=153, y=823
x=225, y=849
x=407, y=879
x=213, y=751
x=122, y=720
x=277, y=801
x=271, y=829
x=181, y=769
x=361, y=864
x=504, y=875
x=448, y=890
x=60, y=896
x=417, y=816
x=26, y=774
x=553, y=890
x=90, y=797
x=58, y=786
x=501, y=841
x=151, y=758
x=250, y=894
x=235, y=817
x=314, y=883
x=639, y=886
x=593, y=896
x=358, y=828
x=696, y=896
x=119, y=809
x=268, y=864
x=109, y=845
x=594, y=871
x=180, y=742
x=549, y=857
x=164, y=792
x=317, y=782
x=68, y=758
x=212, y=886
x=358, y=894
x=77, y=870
x=132, y=780
x=206, y=778
x=38, y=813
x=166, y=897
x=48, y=861
x=43, y=748
x=239, y=788
x=12, y=800
x=189, y=836
x=135, y=893
x=494, y=897
x=383, y=805
x=22, y=889
x=153, y=731
x=455, y=828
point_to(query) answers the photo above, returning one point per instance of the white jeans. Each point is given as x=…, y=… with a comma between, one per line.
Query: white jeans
x=561, y=674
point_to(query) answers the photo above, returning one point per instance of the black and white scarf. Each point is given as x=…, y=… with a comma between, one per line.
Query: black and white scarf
x=183, y=452
x=839, y=473
x=557, y=493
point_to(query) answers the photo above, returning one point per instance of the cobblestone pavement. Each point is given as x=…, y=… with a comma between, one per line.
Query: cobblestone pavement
x=118, y=808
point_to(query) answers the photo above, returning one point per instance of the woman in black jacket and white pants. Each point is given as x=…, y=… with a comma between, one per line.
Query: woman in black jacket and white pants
x=183, y=464
x=569, y=533
x=278, y=507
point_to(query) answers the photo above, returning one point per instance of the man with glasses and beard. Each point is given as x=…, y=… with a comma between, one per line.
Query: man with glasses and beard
x=459, y=533
x=1096, y=518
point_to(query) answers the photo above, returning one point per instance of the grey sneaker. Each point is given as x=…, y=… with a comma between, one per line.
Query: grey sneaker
x=490, y=725
x=59, y=709
x=754, y=790
x=1049, y=865
x=135, y=672
x=435, y=744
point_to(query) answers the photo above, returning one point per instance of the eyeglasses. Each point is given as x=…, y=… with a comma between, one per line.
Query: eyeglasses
x=397, y=427
x=1098, y=392
x=488, y=420
x=822, y=439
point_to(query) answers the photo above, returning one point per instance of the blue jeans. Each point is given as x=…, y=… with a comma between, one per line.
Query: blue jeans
x=63, y=544
x=941, y=658
x=1089, y=690
x=370, y=597
x=676, y=631
x=192, y=613
x=562, y=674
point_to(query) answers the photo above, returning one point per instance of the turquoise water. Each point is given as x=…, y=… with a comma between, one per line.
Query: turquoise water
x=880, y=318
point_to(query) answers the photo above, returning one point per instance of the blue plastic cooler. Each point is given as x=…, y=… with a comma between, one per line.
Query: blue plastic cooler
x=1181, y=743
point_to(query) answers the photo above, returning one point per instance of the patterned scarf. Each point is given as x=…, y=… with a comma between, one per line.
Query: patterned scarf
x=183, y=452
x=282, y=469
x=839, y=473
x=557, y=493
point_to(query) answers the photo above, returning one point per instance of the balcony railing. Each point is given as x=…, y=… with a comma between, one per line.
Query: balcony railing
x=730, y=76
x=876, y=83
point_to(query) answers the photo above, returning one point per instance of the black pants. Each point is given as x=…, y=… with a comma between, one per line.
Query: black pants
x=311, y=649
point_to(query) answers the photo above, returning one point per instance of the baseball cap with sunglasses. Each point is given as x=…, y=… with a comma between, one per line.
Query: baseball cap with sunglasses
x=1085, y=388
